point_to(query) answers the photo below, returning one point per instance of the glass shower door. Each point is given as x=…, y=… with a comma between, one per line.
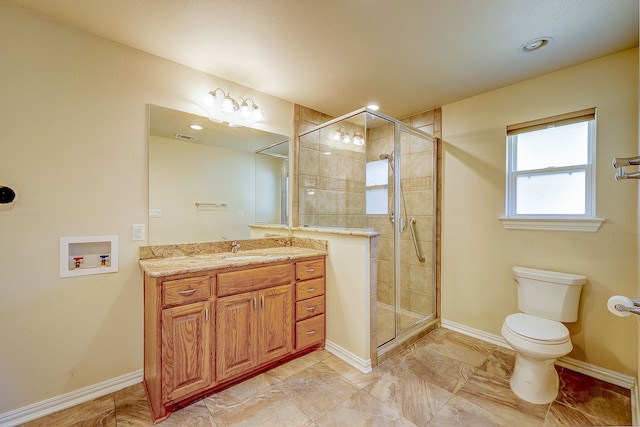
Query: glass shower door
x=415, y=231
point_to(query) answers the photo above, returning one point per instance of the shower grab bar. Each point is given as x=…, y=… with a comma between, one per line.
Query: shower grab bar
x=217, y=205
x=412, y=228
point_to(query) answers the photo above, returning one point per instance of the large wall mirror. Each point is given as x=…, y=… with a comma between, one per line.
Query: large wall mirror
x=211, y=184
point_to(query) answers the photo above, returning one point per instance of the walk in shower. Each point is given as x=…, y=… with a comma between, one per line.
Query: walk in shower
x=368, y=171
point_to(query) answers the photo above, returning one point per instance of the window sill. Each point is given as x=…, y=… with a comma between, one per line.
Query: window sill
x=552, y=224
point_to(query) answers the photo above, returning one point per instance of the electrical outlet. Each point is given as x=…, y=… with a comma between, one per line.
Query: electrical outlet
x=138, y=232
x=239, y=214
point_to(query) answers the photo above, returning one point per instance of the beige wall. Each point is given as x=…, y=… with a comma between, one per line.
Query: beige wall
x=478, y=253
x=74, y=114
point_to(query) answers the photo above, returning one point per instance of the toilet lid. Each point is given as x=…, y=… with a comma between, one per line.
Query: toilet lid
x=537, y=328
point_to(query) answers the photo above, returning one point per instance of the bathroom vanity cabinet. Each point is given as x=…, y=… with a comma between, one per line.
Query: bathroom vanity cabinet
x=208, y=329
x=254, y=327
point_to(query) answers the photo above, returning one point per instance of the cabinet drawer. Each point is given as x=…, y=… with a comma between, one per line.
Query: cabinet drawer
x=185, y=291
x=255, y=278
x=310, y=269
x=310, y=331
x=309, y=289
x=309, y=307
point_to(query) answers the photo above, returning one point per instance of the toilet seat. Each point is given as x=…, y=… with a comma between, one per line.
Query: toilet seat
x=536, y=329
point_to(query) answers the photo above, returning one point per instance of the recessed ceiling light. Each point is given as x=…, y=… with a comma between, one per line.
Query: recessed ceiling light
x=535, y=44
x=373, y=107
x=196, y=127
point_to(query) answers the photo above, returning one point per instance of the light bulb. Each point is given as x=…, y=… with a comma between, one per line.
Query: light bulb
x=218, y=97
x=346, y=138
x=209, y=100
x=227, y=104
x=256, y=113
x=245, y=111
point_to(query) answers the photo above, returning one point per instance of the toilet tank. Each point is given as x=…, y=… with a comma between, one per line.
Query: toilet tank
x=548, y=294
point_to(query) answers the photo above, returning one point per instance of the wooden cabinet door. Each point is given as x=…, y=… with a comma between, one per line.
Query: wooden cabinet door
x=236, y=335
x=275, y=323
x=187, y=350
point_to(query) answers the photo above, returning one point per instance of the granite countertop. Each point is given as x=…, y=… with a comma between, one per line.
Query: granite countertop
x=157, y=267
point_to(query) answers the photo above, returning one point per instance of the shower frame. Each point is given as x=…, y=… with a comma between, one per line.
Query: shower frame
x=429, y=321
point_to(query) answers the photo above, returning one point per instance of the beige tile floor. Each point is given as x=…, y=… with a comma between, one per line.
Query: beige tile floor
x=445, y=379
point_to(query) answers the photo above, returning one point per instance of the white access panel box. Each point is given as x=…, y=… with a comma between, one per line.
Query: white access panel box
x=81, y=256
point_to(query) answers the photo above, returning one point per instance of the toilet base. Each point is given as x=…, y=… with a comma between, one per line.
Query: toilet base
x=534, y=380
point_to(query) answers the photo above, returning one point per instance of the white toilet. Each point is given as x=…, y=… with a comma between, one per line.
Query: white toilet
x=545, y=299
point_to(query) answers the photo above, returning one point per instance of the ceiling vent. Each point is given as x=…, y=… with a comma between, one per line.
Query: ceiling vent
x=185, y=137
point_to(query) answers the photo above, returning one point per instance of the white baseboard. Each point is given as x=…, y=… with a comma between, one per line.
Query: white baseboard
x=67, y=400
x=363, y=365
x=635, y=405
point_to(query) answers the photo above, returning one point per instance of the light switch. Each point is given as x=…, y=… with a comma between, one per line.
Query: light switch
x=155, y=213
x=138, y=232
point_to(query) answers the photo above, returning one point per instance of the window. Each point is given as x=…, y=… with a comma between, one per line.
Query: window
x=550, y=169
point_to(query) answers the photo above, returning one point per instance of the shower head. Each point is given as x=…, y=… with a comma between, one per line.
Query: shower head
x=388, y=158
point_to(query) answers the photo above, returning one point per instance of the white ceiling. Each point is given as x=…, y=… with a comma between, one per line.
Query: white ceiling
x=338, y=55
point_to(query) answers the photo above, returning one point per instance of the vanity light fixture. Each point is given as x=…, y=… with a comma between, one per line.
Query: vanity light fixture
x=221, y=107
x=348, y=137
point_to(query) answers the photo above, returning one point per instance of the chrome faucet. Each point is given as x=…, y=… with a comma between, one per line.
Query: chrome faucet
x=235, y=247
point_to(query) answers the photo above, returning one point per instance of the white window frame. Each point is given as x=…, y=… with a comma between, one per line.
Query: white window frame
x=575, y=222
